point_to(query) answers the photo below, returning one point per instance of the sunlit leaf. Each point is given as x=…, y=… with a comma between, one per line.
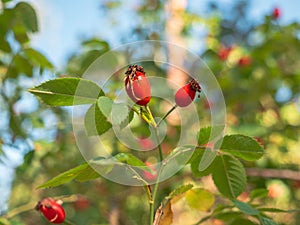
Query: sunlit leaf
x=67, y=91
x=200, y=199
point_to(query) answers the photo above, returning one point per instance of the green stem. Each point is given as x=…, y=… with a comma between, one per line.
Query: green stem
x=154, y=125
x=19, y=210
x=167, y=114
x=161, y=157
x=154, y=196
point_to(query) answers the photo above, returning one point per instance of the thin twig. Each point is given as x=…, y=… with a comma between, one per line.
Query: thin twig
x=273, y=173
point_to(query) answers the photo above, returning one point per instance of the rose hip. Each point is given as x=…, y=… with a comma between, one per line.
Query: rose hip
x=137, y=85
x=186, y=95
x=53, y=211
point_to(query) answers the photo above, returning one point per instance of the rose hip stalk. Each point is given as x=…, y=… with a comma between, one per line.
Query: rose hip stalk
x=53, y=211
x=137, y=85
x=186, y=95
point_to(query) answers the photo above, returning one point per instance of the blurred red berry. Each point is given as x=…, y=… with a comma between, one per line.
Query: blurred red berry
x=150, y=175
x=146, y=143
x=53, y=211
x=185, y=95
x=245, y=61
x=137, y=85
x=81, y=203
x=276, y=13
x=224, y=52
x=275, y=191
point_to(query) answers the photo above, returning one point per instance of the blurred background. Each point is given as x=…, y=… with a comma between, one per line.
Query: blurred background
x=252, y=47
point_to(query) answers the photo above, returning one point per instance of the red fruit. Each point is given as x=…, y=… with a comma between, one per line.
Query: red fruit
x=245, y=61
x=224, y=53
x=81, y=203
x=276, y=13
x=186, y=95
x=53, y=211
x=146, y=143
x=137, y=85
x=150, y=175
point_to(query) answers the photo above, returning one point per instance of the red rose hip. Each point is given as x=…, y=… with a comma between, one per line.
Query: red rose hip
x=186, y=95
x=53, y=211
x=245, y=61
x=276, y=13
x=137, y=85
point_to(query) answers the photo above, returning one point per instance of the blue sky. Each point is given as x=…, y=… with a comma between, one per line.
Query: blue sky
x=63, y=24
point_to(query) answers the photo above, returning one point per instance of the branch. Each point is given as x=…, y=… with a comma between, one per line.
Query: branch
x=273, y=173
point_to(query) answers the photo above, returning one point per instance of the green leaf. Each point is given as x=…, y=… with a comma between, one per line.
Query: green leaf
x=4, y=45
x=80, y=173
x=267, y=221
x=275, y=210
x=242, y=146
x=22, y=65
x=118, y=113
x=131, y=160
x=38, y=58
x=4, y=221
x=195, y=161
x=67, y=91
x=96, y=44
x=228, y=216
x=258, y=193
x=127, y=120
x=207, y=134
x=105, y=105
x=200, y=199
x=180, y=190
x=27, y=161
x=242, y=221
x=26, y=14
x=95, y=122
x=207, y=159
x=229, y=176
x=246, y=208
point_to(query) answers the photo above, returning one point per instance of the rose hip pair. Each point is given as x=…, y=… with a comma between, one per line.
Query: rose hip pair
x=139, y=90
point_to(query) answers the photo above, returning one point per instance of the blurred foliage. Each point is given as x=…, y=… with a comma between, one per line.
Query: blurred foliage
x=256, y=63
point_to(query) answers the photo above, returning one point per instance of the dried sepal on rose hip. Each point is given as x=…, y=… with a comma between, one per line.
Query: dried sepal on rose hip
x=137, y=85
x=186, y=95
x=52, y=210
